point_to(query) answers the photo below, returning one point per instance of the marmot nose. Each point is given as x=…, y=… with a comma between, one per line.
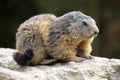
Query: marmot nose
x=96, y=33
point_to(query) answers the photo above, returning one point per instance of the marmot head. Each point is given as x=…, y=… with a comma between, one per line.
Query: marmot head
x=80, y=25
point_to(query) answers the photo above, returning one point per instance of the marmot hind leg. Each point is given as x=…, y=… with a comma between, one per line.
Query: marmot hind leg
x=48, y=61
x=63, y=54
x=43, y=62
x=41, y=57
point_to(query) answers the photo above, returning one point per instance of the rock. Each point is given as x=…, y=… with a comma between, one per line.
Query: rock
x=95, y=69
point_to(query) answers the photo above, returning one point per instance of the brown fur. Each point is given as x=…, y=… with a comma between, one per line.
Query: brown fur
x=65, y=38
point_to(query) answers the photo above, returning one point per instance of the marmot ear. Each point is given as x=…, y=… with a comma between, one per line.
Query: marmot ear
x=73, y=18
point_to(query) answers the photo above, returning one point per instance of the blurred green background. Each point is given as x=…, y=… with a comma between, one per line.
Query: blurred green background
x=105, y=12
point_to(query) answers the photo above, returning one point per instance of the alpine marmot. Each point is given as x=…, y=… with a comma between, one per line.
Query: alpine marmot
x=45, y=38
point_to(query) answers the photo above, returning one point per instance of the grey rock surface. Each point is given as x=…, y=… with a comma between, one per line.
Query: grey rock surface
x=98, y=68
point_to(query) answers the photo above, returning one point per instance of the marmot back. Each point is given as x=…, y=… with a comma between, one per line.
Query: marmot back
x=45, y=39
x=31, y=39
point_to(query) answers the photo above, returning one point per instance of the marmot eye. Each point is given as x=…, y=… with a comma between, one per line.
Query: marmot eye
x=85, y=23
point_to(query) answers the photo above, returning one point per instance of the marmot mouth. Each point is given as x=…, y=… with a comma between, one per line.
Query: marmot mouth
x=96, y=35
x=90, y=36
x=93, y=36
